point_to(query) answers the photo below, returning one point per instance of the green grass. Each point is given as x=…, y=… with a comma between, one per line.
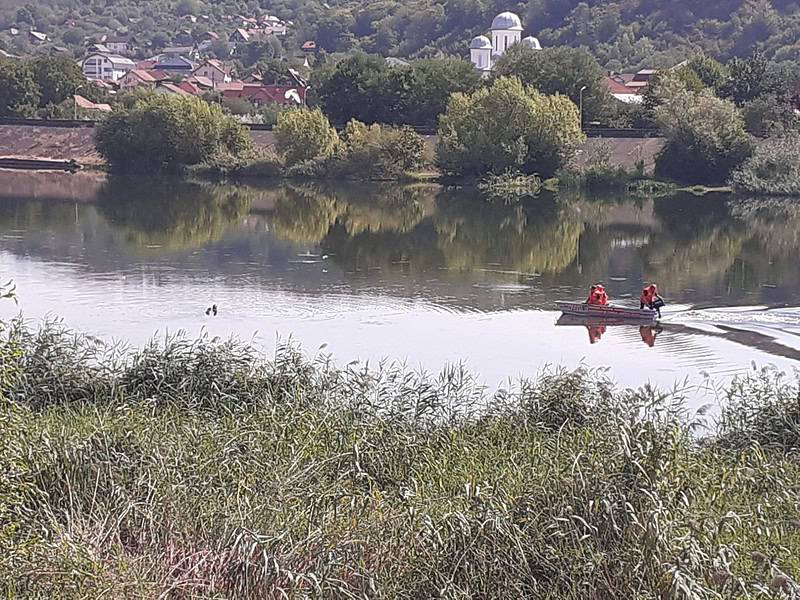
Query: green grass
x=195, y=469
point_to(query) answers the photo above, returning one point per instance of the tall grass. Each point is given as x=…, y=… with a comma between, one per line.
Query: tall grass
x=197, y=469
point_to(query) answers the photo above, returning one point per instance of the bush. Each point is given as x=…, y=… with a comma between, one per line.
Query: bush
x=304, y=134
x=375, y=152
x=168, y=133
x=507, y=126
x=774, y=168
x=706, y=137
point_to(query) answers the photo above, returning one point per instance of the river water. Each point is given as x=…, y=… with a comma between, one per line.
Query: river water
x=416, y=274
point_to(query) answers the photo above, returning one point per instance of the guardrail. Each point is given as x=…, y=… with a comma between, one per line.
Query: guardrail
x=592, y=132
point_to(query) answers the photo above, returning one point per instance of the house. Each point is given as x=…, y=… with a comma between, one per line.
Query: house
x=141, y=78
x=171, y=89
x=100, y=48
x=204, y=84
x=120, y=44
x=174, y=51
x=86, y=104
x=174, y=64
x=215, y=71
x=240, y=36
x=260, y=95
x=13, y=31
x=106, y=67
x=309, y=46
x=37, y=37
x=621, y=92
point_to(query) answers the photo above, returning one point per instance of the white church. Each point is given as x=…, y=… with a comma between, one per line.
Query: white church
x=506, y=31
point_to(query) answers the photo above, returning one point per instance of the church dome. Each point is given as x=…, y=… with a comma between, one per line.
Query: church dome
x=508, y=21
x=532, y=42
x=480, y=42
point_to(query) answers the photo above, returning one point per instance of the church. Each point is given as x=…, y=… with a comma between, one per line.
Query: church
x=506, y=31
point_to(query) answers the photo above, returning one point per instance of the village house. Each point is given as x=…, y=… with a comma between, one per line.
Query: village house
x=174, y=64
x=37, y=37
x=141, y=78
x=189, y=51
x=106, y=67
x=260, y=95
x=215, y=71
x=240, y=36
x=87, y=105
x=120, y=44
x=170, y=89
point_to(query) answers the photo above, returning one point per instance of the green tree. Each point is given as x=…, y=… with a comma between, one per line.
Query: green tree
x=168, y=133
x=375, y=152
x=507, y=126
x=352, y=88
x=706, y=137
x=19, y=93
x=560, y=70
x=432, y=82
x=304, y=134
x=711, y=72
x=58, y=79
x=748, y=79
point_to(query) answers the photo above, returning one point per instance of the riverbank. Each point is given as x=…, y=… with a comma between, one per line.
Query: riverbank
x=62, y=143
x=199, y=468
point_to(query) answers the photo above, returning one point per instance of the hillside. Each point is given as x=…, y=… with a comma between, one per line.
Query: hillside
x=622, y=34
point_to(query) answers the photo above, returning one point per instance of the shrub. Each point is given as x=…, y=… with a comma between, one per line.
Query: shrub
x=706, y=137
x=375, y=152
x=510, y=188
x=304, y=134
x=507, y=126
x=167, y=133
x=774, y=168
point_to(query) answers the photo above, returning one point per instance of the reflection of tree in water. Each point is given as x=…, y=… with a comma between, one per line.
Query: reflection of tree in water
x=305, y=214
x=538, y=237
x=770, y=255
x=173, y=215
x=697, y=243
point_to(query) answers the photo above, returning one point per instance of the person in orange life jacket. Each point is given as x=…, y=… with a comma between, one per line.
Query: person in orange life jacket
x=651, y=299
x=597, y=295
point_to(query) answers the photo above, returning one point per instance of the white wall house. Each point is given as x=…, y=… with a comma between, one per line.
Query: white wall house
x=106, y=67
x=506, y=31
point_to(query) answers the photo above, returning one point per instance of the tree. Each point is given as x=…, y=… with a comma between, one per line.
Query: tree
x=57, y=78
x=432, y=83
x=774, y=169
x=711, y=72
x=560, y=70
x=748, y=79
x=168, y=133
x=304, y=134
x=706, y=137
x=507, y=126
x=375, y=152
x=19, y=93
x=349, y=89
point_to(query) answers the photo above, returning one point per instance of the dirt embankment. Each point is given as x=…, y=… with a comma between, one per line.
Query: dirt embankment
x=25, y=141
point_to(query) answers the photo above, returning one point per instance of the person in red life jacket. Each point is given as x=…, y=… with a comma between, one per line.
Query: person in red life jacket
x=651, y=299
x=595, y=333
x=597, y=295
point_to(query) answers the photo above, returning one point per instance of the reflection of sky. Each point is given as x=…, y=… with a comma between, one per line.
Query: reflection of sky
x=376, y=325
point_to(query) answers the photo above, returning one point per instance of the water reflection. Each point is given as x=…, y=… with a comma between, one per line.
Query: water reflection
x=314, y=252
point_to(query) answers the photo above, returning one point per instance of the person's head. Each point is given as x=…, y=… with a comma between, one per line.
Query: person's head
x=597, y=293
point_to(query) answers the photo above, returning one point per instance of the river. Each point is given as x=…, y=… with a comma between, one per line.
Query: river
x=416, y=274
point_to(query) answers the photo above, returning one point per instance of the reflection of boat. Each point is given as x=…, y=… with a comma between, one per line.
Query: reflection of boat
x=607, y=312
x=596, y=326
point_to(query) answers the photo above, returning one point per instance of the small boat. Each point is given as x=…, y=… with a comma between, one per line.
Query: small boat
x=608, y=311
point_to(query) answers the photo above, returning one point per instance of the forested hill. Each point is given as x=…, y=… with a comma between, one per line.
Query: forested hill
x=621, y=34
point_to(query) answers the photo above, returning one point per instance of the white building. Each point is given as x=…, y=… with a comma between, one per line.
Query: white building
x=106, y=67
x=506, y=31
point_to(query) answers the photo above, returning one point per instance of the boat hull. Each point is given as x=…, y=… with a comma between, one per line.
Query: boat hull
x=609, y=311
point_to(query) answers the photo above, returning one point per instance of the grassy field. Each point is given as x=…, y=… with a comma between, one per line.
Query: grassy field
x=194, y=469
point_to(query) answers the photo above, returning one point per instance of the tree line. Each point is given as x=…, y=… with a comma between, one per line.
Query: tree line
x=621, y=34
